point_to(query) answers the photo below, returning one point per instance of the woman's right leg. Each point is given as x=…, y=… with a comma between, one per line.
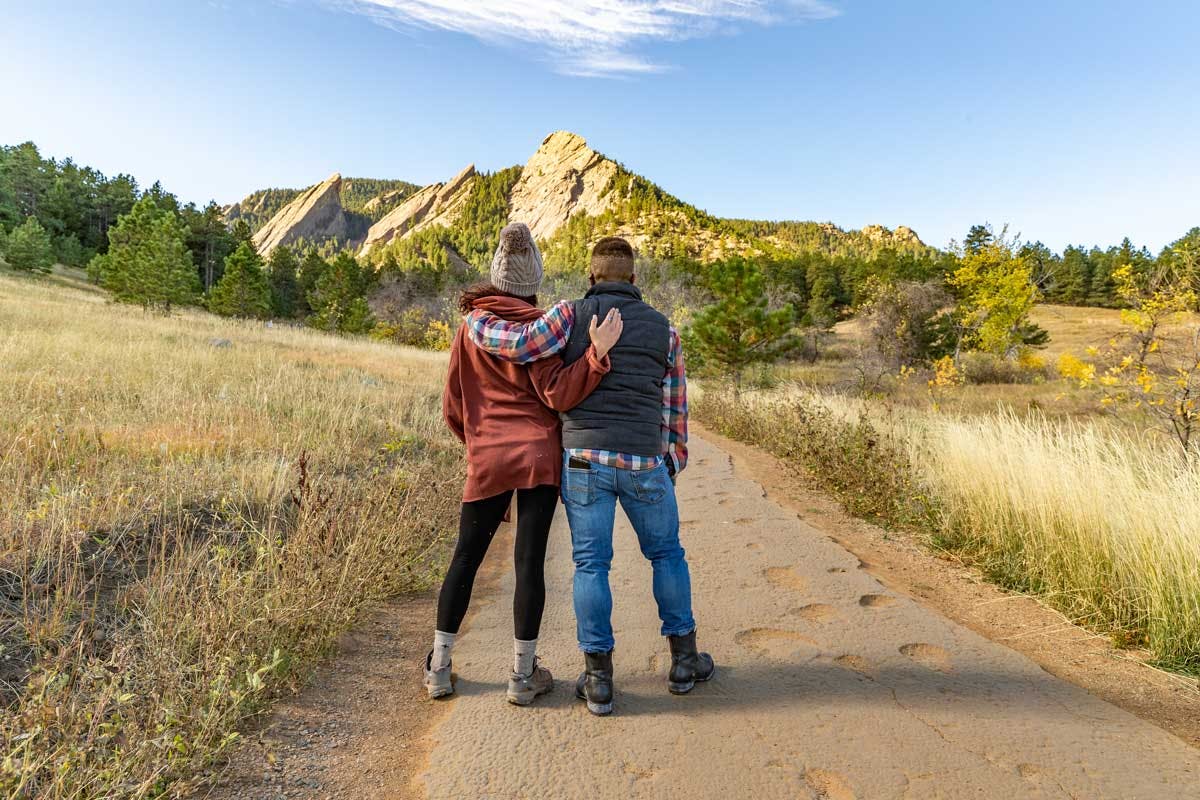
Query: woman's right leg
x=477, y=524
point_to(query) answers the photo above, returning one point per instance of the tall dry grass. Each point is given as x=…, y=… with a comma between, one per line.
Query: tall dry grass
x=190, y=510
x=1103, y=525
x=1098, y=522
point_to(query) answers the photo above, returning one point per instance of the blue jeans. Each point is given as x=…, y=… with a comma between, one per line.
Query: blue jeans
x=648, y=497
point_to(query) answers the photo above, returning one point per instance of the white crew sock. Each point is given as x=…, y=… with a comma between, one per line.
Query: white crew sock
x=523, y=653
x=443, y=643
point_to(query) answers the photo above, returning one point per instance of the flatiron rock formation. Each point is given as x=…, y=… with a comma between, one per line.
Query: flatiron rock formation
x=436, y=204
x=315, y=215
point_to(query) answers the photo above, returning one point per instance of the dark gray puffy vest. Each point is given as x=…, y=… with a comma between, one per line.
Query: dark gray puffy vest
x=624, y=414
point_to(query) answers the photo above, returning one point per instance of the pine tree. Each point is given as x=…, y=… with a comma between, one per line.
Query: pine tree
x=242, y=232
x=1076, y=278
x=739, y=330
x=979, y=237
x=244, y=290
x=210, y=241
x=284, y=286
x=148, y=262
x=69, y=251
x=29, y=248
x=822, y=279
x=339, y=299
x=311, y=270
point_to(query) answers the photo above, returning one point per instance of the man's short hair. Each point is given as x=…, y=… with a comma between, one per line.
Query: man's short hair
x=612, y=259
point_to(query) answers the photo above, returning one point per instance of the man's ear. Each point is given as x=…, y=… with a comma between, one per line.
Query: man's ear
x=591, y=279
x=633, y=278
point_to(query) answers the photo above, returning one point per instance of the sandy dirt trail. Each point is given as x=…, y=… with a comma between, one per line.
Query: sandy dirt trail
x=829, y=686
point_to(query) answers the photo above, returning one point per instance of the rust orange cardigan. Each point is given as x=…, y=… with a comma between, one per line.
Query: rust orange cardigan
x=507, y=414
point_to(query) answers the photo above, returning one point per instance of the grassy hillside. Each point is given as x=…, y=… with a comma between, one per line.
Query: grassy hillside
x=190, y=510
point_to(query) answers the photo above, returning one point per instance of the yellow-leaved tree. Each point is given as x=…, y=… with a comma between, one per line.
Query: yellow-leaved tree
x=996, y=291
x=1153, y=366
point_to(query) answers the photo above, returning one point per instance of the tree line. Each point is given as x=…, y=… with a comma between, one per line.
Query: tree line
x=147, y=247
x=148, y=263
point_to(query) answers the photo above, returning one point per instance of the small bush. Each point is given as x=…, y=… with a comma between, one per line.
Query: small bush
x=988, y=368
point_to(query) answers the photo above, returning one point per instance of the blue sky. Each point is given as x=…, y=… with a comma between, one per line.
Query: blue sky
x=1074, y=121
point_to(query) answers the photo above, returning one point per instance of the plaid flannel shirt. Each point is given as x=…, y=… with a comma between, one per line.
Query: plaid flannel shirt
x=527, y=342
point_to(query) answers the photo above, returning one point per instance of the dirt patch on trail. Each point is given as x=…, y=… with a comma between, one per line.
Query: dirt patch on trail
x=902, y=563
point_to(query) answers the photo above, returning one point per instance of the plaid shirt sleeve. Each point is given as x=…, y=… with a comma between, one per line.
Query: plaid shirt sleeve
x=522, y=342
x=675, y=407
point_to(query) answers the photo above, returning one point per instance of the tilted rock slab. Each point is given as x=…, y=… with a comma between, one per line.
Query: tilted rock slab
x=436, y=204
x=564, y=177
x=316, y=214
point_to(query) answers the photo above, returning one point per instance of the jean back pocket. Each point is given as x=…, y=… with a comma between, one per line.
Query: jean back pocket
x=577, y=486
x=650, y=484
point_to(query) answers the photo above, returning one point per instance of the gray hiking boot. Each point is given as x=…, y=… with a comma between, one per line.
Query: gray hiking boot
x=438, y=682
x=522, y=689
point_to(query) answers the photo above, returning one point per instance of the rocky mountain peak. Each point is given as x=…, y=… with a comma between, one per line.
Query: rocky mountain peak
x=563, y=178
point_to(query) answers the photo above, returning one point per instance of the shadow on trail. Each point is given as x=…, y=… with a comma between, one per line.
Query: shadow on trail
x=821, y=685
x=814, y=684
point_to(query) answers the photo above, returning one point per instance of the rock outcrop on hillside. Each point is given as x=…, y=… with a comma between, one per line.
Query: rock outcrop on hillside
x=563, y=178
x=436, y=204
x=902, y=235
x=315, y=215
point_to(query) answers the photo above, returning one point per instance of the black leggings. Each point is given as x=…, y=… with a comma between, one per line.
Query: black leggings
x=476, y=527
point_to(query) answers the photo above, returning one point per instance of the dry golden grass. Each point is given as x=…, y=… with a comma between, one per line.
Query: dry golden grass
x=1073, y=329
x=185, y=527
x=1099, y=522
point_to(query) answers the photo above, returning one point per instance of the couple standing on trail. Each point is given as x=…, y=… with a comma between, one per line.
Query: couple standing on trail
x=590, y=396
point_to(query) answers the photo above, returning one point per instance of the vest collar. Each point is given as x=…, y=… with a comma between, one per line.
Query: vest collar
x=615, y=287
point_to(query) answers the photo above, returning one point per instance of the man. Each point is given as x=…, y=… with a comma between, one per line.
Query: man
x=626, y=442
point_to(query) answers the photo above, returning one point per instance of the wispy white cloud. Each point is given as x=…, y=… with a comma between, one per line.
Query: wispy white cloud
x=589, y=37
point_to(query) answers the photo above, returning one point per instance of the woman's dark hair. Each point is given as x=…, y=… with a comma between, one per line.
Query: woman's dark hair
x=482, y=290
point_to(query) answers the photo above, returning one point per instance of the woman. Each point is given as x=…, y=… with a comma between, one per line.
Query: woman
x=506, y=415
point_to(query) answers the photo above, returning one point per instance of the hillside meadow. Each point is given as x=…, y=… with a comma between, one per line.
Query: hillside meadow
x=990, y=385
x=191, y=509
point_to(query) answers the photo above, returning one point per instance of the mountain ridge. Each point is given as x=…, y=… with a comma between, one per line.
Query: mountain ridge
x=569, y=194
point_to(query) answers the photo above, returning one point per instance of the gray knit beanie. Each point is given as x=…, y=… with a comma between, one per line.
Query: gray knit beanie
x=517, y=265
